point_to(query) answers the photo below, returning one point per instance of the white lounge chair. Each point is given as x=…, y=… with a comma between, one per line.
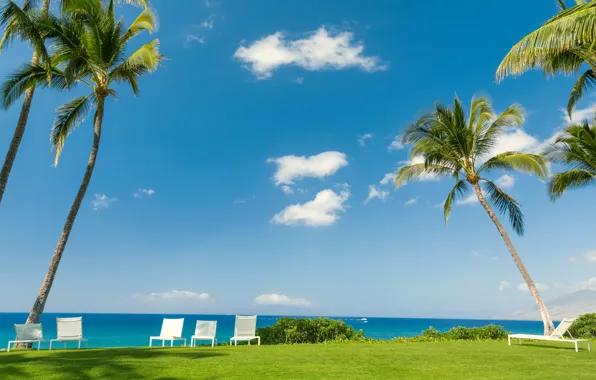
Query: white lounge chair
x=69, y=330
x=29, y=333
x=205, y=330
x=556, y=336
x=171, y=330
x=245, y=330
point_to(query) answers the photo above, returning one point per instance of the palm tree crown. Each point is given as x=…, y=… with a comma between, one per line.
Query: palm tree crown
x=459, y=146
x=575, y=147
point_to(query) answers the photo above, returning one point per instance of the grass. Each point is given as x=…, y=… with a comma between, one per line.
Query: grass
x=441, y=360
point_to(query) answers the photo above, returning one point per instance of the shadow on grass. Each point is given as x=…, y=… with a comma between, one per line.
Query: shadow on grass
x=583, y=347
x=126, y=363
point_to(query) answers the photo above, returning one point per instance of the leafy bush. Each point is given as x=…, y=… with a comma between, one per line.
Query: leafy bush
x=584, y=327
x=306, y=330
x=489, y=332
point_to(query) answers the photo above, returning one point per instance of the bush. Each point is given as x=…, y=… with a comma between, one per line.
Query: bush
x=584, y=327
x=489, y=332
x=306, y=330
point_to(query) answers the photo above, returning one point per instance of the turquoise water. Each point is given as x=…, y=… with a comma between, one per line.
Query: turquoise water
x=128, y=330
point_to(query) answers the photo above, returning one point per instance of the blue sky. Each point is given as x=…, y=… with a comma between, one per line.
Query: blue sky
x=238, y=181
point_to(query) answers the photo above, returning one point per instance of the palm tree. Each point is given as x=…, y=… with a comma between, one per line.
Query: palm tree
x=576, y=148
x=452, y=144
x=90, y=47
x=561, y=46
x=18, y=24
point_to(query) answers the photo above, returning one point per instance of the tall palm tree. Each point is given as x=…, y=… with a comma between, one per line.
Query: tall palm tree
x=89, y=48
x=576, y=148
x=459, y=146
x=561, y=46
x=17, y=23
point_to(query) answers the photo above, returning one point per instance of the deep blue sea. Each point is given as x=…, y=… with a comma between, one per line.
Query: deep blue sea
x=127, y=330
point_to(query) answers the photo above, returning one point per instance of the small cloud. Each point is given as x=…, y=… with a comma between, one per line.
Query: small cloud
x=506, y=182
x=388, y=178
x=322, y=211
x=375, y=192
x=242, y=201
x=411, y=201
x=280, y=299
x=144, y=193
x=193, y=38
x=523, y=287
x=503, y=284
x=291, y=168
x=471, y=199
x=209, y=3
x=494, y=258
x=322, y=49
x=102, y=202
x=591, y=257
x=579, y=115
x=572, y=259
x=476, y=254
x=174, y=295
x=362, y=139
x=287, y=190
x=209, y=23
x=396, y=144
x=299, y=80
x=439, y=205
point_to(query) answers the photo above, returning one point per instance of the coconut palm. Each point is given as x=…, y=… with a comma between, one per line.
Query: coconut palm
x=561, y=46
x=452, y=144
x=18, y=24
x=89, y=48
x=576, y=148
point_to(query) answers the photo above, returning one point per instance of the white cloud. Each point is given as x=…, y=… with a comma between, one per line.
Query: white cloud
x=503, y=284
x=471, y=199
x=102, y=201
x=579, y=115
x=209, y=23
x=591, y=257
x=144, y=193
x=318, y=50
x=193, y=38
x=299, y=80
x=375, y=192
x=175, y=295
x=287, y=190
x=320, y=212
x=439, y=205
x=389, y=178
x=362, y=139
x=396, y=144
x=281, y=299
x=425, y=176
x=572, y=259
x=475, y=253
x=290, y=168
x=505, y=182
x=411, y=201
x=515, y=140
x=524, y=287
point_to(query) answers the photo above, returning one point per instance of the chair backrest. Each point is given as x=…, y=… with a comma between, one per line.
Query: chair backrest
x=31, y=331
x=206, y=328
x=245, y=326
x=69, y=327
x=172, y=327
x=562, y=328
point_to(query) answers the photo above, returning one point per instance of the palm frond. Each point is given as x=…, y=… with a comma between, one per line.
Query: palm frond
x=512, y=117
x=68, y=117
x=523, y=162
x=585, y=81
x=561, y=5
x=571, y=179
x=459, y=190
x=406, y=173
x=21, y=24
x=26, y=77
x=146, y=21
x=569, y=28
x=505, y=205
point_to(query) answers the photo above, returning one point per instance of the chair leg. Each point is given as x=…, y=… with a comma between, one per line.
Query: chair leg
x=576, y=348
x=50, y=345
x=8, y=348
x=520, y=342
x=509, y=340
x=79, y=344
x=259, y=340
x=213, y=342
x=38, y=345
x=163, y=343
x=589, y=346
x=172, y=343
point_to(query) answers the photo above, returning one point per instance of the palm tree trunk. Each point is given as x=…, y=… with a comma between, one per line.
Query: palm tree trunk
x=46, y=286
x=546, y=320
x=11, y=155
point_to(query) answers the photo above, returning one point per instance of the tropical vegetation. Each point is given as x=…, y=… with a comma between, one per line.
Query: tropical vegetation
x=451, y=144
x=584, y=327
x=307, y=330
x=574, y=147
x=89, y=48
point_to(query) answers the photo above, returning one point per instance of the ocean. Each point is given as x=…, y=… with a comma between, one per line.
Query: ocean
x=133, y=330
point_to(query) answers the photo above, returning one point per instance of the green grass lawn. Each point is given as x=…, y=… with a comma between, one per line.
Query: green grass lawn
x=449, y=360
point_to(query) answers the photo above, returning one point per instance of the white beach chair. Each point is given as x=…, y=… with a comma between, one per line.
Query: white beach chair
x=69, y=330
x=29, y=333
x=171, y=330
x=245, y=329
x=205, y=330
x=556, y=336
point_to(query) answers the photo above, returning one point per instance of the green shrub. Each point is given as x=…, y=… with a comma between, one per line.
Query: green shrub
x=489, y=332
x=306, y=330
x=584, y=327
